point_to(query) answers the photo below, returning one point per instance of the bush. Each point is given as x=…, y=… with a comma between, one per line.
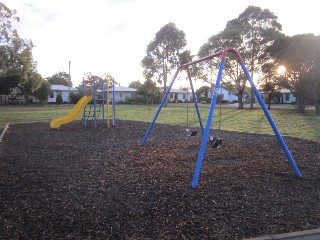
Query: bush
x=59, y=99
x=75, y=97
x=202, y=99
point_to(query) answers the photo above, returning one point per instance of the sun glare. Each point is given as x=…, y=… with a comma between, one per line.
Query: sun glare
x=281, y=70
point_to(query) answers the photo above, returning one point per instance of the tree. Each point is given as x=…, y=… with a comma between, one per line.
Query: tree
x=300, y=56
x=233, y=77
x=59, y=99
x=270, y=81
x=61, y=78
x=14, y=51
x=251, y=33
x=33, y=81
x=75, y=97
x=43, y=91
x=7, y=18
x=7, y=83
x=17, y=67
x=201, y=90
x=260, y=28
x=135, y=84
x=315, y=81
x=185, y=57
x=163, y=53
x=149, y=90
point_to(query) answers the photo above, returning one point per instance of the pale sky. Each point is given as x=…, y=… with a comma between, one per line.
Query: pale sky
x=100, y=36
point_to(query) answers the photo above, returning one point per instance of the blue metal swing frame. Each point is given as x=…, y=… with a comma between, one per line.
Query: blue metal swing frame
x=205, y=132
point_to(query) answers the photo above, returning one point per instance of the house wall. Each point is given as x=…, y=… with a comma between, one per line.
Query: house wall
x=53, y=96
x=232, y=97
x=227, y=95
x=288, y=98
x=180, y=96
x=121, y=96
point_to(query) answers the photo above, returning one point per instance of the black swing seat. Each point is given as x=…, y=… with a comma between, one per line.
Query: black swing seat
x=215, y=141
x=193, y=133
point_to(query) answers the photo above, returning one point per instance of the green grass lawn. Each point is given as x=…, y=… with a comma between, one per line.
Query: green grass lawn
x=288, y=121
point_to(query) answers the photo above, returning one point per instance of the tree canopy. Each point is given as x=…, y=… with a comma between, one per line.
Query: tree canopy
x=7, y=83
x=300, y=54
x=163, y=53
x=135, y=84
x=17, y=67
x=61, y=78
x=250, y=34
x=149, y=91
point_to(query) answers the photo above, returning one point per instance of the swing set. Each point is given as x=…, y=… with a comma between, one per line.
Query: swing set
x=205, y=131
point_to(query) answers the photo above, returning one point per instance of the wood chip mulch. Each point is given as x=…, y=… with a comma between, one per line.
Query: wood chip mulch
x=86, y=183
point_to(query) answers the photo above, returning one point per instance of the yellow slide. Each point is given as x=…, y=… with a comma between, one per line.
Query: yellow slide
x=78, y=108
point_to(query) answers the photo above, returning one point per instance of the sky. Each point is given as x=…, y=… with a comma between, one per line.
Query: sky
x=100, y=36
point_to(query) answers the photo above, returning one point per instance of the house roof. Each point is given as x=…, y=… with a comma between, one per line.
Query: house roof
x=284, y=90
x=123, y=89
x=62, y=88
x=172, y=90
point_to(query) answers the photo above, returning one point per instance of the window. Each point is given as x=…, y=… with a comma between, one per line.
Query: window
x=51, y=95
x=171, y=95
x=121, y=95
x=184, y=96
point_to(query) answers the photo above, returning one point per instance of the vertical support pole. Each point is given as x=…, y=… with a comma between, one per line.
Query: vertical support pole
x=207, y=129
x=103, y=100
x=84, y=93
x=108, y=91
x=194, y=96
x=143, y=142
x=113, y=104
x=69, y=85
x=94, y=104
x=273, y=125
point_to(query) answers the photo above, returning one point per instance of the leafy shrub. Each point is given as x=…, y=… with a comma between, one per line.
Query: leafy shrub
x=59, y=99
x=75, y=97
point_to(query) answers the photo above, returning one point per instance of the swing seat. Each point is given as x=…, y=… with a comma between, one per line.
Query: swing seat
x=193, y=133
x=215, y=142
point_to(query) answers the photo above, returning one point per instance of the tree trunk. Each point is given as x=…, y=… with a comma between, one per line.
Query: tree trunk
x=25, y=94
x=317, y=107
x=269, y=100
x=251, y=98
x=301, y=104
x=240, y=100
x=316, y=97
x=165, y=76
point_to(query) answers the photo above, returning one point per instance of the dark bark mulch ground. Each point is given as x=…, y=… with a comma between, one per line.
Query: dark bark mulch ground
x=77, y=183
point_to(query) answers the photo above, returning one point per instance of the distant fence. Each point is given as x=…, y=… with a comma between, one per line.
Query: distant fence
x=4, y=99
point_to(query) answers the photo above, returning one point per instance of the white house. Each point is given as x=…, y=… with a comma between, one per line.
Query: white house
x=122, y=94
x=179, y=95
x=62, y=90
x=227, y=94
x=287, y=96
